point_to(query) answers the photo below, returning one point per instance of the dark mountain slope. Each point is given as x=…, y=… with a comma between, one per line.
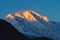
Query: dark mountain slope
x=8, y=32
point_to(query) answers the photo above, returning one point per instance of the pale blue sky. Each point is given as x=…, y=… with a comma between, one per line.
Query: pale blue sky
x=49, y=8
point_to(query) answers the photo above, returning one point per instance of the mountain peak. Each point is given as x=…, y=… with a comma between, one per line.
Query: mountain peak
x=28, y=15
x=32, y=24
x=45, y=18
x=39, y=15
x=19, y=15
x=10, y=16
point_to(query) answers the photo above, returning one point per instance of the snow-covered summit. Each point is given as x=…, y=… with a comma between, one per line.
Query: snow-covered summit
x=28, y=15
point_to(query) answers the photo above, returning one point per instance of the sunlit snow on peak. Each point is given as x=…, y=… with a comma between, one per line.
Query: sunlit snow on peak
x=28, y=15
x=19, y=15
x=45, y=18
x=10, y=16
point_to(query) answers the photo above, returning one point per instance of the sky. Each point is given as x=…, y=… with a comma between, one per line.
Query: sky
x=49, y=8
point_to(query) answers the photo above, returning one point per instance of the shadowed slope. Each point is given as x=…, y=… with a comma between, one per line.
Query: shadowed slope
x=8, y=32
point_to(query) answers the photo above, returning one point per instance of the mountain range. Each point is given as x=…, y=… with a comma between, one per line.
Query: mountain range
x=32, y=25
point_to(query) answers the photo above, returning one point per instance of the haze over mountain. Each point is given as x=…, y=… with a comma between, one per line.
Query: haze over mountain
x=32, y=24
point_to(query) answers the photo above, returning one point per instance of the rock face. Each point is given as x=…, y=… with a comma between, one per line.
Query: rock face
x=34, y=25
